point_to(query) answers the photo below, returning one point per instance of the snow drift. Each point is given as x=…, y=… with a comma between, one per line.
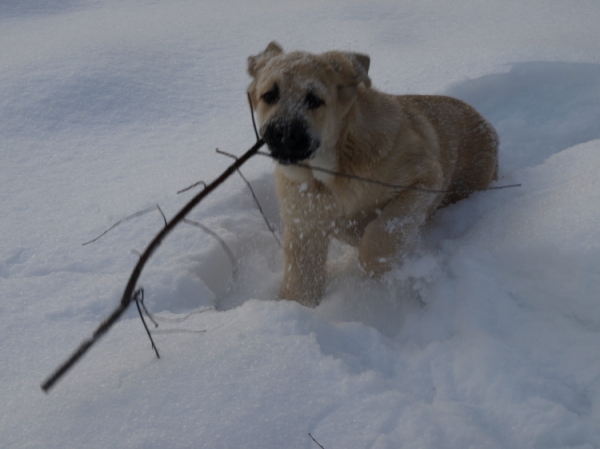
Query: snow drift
x=487, y=337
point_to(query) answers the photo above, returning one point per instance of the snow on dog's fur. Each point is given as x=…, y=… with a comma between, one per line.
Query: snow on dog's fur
x=320, y=110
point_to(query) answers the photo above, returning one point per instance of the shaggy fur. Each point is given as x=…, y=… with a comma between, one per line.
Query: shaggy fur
x=320, y=110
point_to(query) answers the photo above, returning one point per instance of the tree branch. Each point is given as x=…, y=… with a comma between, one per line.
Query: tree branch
x=137, y=271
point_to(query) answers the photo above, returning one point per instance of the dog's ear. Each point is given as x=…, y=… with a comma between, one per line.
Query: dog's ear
x=361, y=64
x=352, y=67
x=255, y=63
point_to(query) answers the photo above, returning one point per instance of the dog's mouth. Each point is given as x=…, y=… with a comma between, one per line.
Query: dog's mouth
x=287, y=158
x=290, y=142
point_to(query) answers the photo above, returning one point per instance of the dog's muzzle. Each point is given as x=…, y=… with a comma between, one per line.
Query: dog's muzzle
x=289, y=142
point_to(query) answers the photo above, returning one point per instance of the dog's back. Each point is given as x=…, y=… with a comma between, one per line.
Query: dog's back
x=468, y=143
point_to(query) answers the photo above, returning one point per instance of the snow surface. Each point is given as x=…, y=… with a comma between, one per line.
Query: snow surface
x=489, y=337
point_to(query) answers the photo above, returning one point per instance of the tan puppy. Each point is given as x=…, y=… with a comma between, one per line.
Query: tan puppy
x=320, y=111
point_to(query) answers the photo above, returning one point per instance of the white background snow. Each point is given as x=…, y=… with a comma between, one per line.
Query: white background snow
x=488, y=337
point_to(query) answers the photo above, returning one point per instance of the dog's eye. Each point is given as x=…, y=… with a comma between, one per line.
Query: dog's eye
x=271, y=96
x=312, y=101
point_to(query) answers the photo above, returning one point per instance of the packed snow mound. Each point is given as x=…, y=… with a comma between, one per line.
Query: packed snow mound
x=538, y=108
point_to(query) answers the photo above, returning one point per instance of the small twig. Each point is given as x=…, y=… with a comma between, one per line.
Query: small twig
x=313, y=438
x=202, y=183
x=162, y=213
x=178, y=331
x=130, y=217
x=390, y=186
x=199, y=225
x=136, y=297
x=234, y=267
x=150, y=317
x=154, y=320
x=163, y=319
x=260, y=209
x=252, y=115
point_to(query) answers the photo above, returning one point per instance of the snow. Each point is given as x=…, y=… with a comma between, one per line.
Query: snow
x=489, y=336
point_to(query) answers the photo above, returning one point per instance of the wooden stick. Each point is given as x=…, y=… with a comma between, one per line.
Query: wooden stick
x=137, y=271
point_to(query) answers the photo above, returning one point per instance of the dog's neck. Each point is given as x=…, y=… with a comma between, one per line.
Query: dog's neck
x=364, y=140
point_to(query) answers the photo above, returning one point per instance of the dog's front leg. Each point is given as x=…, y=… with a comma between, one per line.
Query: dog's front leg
x=394, y=232
x=305, y=252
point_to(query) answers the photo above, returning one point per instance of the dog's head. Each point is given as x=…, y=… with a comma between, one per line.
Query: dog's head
x=301, y=99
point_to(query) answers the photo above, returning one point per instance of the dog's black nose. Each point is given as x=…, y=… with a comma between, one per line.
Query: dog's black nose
x=288, y=141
